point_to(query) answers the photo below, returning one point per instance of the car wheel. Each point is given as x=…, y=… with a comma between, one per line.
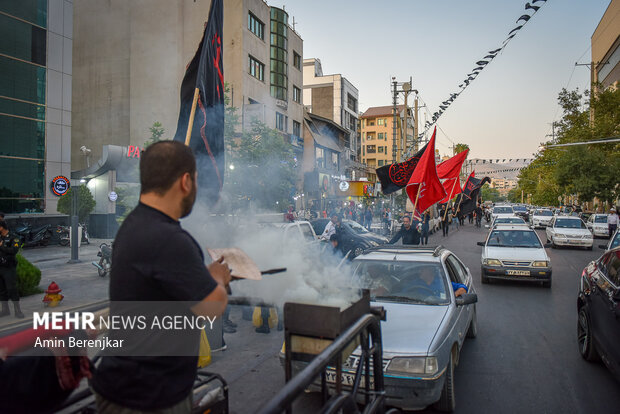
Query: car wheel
x=447, y=401
x=547, y=283
x=472, y=332
x=102, y=270
x=587, y=349
x=553, y=245
x=483, y=278
x=357, y=251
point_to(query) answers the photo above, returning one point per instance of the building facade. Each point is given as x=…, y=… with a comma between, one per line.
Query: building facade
x=334, y=97
x=132, y=77
x=606, y=47
x=378, y=135
x=36, y=38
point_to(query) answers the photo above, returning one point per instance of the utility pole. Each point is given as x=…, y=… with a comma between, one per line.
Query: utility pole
x=394, y=119
x=415, y=123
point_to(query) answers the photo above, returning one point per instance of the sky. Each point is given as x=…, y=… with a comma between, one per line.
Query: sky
x=507, y=111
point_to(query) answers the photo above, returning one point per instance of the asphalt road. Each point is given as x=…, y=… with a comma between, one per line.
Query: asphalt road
x=524, y=360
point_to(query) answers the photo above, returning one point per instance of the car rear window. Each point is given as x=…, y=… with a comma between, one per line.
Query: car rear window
x=403, y=282
x=546, y=213
x=503, y=210
x=565, y=223
x=600, y=219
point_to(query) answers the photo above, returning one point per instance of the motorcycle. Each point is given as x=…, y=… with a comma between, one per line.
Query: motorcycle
x=30, y=237
x=105, y=262
x=63, y=235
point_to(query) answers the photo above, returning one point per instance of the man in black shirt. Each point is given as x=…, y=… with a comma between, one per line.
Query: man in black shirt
x=155, y=260
x=407, y=232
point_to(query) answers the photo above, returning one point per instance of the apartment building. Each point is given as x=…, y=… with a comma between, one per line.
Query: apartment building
x=377, y=135
x=606, y=47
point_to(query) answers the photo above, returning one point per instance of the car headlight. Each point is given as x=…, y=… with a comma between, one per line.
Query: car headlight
x=492, y=262
x=413, y=365
x=373, y=243
x=560, y=235
x=540, y=263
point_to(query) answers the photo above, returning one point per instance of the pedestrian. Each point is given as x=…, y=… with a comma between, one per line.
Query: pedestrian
x=446, y=218
x=426, y=219
x=612, y=221
x=478, y=214
x=410, y=234
x=470, y=217
x=368, y=218
x=330, y=228
x=455, y=221
x=9, y=246
x=155, y=259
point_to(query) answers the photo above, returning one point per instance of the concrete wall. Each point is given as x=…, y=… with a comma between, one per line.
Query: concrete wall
x=606, y=46
x=323, y=101
x=58, y=96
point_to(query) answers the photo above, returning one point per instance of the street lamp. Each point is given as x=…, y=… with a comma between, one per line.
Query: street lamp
x=231, y=167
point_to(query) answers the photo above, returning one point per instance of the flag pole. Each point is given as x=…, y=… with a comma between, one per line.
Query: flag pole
x=449, y=198
x=415, y=205
x=190, y=125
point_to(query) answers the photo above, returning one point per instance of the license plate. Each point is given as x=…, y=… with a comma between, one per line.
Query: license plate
x=347, y=379
x=518, y=272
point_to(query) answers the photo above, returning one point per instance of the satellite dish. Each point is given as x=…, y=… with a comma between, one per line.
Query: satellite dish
x=406, y=87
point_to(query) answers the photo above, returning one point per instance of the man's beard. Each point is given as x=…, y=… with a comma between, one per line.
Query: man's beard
x=188, y=202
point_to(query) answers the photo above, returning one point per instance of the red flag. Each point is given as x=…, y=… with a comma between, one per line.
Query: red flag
x=424, y=185
x=452, y=187
x=451, y=168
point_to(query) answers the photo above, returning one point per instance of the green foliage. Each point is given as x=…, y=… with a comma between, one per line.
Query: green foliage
x=460, y=148
x=157, y=131
x=128, y=197
x=86, y=202
x=514, y=196
x=490, y=194
x=28, y=277
x=587, y=171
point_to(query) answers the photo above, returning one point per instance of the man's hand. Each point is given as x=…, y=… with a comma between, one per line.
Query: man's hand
x=459, y=292
x=220, y=272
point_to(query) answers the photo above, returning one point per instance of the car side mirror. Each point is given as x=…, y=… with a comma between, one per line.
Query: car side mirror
x=466, y=299
x=480, y=244
x=602, y=246
x=547, y=245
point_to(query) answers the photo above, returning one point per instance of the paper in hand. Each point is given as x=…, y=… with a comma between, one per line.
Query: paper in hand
x=241, y=266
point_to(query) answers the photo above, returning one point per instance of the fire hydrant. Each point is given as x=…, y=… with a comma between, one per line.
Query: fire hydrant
x=52, y=295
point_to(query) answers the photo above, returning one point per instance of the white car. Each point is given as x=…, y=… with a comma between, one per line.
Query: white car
x=597, y=224
x=516, y=253
x=502, y=211
x=541, y=217
x=569, y=231
x=511, y=220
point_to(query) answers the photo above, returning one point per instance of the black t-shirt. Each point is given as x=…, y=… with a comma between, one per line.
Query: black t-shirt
x=153, y=259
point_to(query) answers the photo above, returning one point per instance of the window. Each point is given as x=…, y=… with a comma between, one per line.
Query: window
x=281, y=121
x=364, y=150
x=613, y=269
x=296, y=128
x=33, y=11
x=22, y=81
x=256, y=26
x=381, y=149
x=385, y=149
x=26, y=189
x=279, y=54
x=459, y=271
x=371, y=123
x=381, y=122
x=335, y=159
x=320, y=157
x=351, y=102
x=296, y=94
x=21, y=138
x=371, y=149
x=380, y=163
x=22, y=40
x=306, y=231
x=370, y=136
x=257, y=69
x=296, y=60
x=380, y=135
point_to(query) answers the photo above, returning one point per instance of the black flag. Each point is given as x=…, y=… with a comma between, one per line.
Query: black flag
x=470, y=196
x=394, y=177
x=205, y=73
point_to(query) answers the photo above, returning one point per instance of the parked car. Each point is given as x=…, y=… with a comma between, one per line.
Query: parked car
x=597, y=224
x=296, y=231
x=569, y=231
x=598, y=309
x=425, y=328
x=541, y=218
x=515, y=253
x=614, y=241
x=354, y=236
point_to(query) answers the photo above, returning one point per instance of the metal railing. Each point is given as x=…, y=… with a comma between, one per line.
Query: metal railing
x=368, y=330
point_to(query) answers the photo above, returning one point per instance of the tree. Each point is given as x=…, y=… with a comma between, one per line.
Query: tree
x=459, y=148
x=514, y=195
x=490, y=194
x=86, y=202
x=157, y=131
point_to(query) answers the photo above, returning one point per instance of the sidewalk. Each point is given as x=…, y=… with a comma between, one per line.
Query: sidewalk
x=79, y=282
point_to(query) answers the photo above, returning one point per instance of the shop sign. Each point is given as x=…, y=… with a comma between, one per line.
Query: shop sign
x=60, y=185
x=133, y=151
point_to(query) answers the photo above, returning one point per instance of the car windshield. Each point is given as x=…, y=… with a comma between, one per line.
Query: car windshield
x=600, y=219
x=356, y=227
x=502, y=210
x=546, y=213
x=509, y=220
x=563, y=223
x=513, y=238
x=520, y=209
x=403, y=282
